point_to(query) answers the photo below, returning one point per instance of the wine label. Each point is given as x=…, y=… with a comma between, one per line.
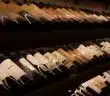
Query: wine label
x=30, y=58
x=42, y=59
x=32, y=10
x=27, y=67
x=90, y=51
x=52, y=60
x=34, y=61
x=97, y=18
x=84, y=50
x=58, y=56
x=101, y=17
x=106, y=76
x=96, y=83
x=95, y=51
x=3, y=74
x=64, y=53
x=80, y=55
x=63, y=60
x=75, y=58
x=106, y=46
x=26, y=64
x=12, y=69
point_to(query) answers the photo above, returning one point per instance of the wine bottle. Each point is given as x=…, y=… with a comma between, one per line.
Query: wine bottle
x=76, y=15
x=106, y=89
x=57, y=67
x=100, y=53
x=106, y=76
x=29, y=56
x=8, y=83
x=71, y=64
x=91, y=91
x=41, y=59
x=78, y=61
x=76, y=55
x=105, y=57
x=13, y=15
x=104, y=44
x=44, y=70
x=60, y=60
x=61, y=15
x=86, y=56
x=4, y=19
x=20, y=10
x=3, y=90
x=95, y=85
x=31, y=71
x=19, y=2
x=33, y=10
x=67, y=14
x=16, y=72
x=27, y=16
x=48, y=62
x=86, y=16
x=92, y=52
x=84, y=91
x=51, y=12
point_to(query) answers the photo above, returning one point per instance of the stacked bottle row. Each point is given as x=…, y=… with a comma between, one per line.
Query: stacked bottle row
x=30, y=12
x=25, y=70
x=97, y=86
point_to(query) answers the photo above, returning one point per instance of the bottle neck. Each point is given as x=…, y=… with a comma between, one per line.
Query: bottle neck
x=88, y=43
x=43, y=50
x=24, y=53
x=3, y=57
x=65, y=47
x=18, y=2
x=70, y=46
x=15, y=56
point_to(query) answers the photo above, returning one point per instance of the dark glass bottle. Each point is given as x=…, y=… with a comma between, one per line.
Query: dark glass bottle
x=85, y=61
x=100, y=42
x=62, y=70
x=5, y=20
x=77, y=61
x=26, y=15
x=98, y=58
x=105, y=91
x=12, y=87
x=43, y=70
x=79, y=57
x=94, y=54
x=8, y=84
x=92, y=91
x=25, y=65
x=3, y=90
x=13, y=70
x=72, y=66
x=85, y=93
x=19, y=2
x=58, y=57
x=51, y=62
